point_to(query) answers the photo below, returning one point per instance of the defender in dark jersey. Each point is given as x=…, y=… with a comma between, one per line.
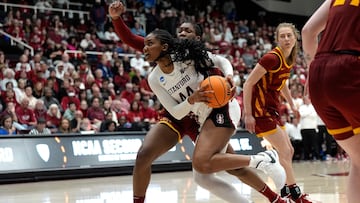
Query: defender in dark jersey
x=334, y=77
x=262, y=91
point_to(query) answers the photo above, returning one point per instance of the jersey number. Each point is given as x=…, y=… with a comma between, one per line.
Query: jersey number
x=342, y=2
x=189, y=91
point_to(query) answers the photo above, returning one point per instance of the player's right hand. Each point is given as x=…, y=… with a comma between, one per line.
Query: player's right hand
x=116, y=9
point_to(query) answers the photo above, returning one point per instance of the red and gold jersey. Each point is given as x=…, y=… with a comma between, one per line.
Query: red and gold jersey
x=267, y=91
x=342, y=28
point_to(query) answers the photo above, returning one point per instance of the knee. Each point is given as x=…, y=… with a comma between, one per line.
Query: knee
x=143, y=157
x=286, y=152
x=202, y=166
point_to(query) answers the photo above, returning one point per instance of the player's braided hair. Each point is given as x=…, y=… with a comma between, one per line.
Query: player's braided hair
x=183, y=50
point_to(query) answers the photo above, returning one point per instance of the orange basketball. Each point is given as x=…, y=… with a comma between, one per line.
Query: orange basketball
x=221, y=88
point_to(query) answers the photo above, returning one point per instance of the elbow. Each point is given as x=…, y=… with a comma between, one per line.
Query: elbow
x=307, y=32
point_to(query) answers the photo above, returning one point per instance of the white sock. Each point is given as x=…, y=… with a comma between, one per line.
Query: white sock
x=219, y=187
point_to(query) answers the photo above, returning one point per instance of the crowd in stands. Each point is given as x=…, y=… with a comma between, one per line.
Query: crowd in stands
x=55, y=91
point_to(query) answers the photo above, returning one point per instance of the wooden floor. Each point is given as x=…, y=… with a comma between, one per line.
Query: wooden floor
x=323, y=181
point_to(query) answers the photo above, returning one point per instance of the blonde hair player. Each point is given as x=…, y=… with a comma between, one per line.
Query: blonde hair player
x=262, y=90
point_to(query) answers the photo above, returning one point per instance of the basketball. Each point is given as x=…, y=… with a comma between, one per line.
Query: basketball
x=221, y=88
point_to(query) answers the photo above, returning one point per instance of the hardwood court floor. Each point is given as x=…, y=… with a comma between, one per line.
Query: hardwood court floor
x=323, y=181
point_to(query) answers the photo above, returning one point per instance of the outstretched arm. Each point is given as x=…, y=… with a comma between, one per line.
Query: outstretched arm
x=312, y=29
x=135, y=41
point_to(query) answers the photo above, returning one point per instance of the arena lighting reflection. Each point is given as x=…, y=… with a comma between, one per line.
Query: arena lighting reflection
x=155, y=193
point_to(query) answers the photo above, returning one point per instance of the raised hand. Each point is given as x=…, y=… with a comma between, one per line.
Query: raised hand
x=116, y=9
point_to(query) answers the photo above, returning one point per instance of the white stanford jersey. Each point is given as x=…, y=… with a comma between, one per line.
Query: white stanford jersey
x=174, y=88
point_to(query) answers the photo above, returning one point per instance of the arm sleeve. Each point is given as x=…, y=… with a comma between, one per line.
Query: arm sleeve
x=125, y=34
x=177, y=110
x=222, y=63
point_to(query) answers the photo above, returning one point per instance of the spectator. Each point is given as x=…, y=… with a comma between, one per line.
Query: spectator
x=43, y=6
x=65, y=59
x=40, y=128
x=3, y=64
x=70, y=111
x=135, y=115
x=107, y=109
x=137, y=63
x=9, y=76
x=110, y=35
x=26, y=117
x=9, y=111
x=87, y=43
x=109, y=92
x=60, y=70
x=86, y=127
x=170, y=21
x=104, y=124
x=40, y=110
x=124, y=124
x=98, y=15
x=104, y=66
x=23, y=64
x=38, y=91
x=20, y=89
x=8, y=96
x=121, y=78
x=95, y=112
x=110, y=126
x=75, y=123
x=128, y=93
x=49, y=99
x=149, y=113
x=70, y=98
x=64, y=126
x=29, y=95
x=308, y=123
x=53, y=118
x=54, y=83
x=138, y=30
x=7, y=127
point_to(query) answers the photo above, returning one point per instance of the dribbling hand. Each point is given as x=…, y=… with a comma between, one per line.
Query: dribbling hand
x=200, y=95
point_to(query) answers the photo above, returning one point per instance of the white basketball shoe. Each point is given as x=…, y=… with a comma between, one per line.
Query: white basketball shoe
x=268, y=162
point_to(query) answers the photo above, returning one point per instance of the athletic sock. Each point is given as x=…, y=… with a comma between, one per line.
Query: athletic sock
x=139, y=199
x=267, y=192
x=295, y=191
x=285, y=191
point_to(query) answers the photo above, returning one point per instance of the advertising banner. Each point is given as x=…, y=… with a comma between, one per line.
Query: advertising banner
x=24, y=154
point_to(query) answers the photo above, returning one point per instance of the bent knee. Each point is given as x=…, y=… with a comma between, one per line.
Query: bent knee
x=145, y=156
x=202, y=166
x=286, y=152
